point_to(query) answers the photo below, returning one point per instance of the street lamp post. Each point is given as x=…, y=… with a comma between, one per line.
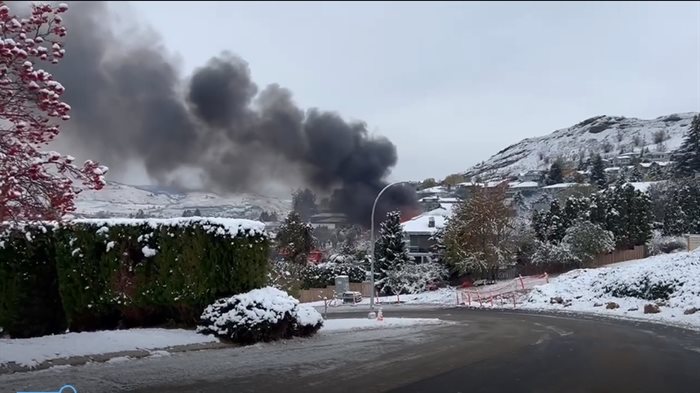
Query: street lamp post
x=371, y=269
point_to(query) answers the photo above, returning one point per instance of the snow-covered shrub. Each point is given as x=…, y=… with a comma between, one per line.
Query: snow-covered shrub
x=554, y=254
x=587, y=240
x=413, y=278
x=264, y=314
x=322, y=275
x=647, y=288
x=660, y=244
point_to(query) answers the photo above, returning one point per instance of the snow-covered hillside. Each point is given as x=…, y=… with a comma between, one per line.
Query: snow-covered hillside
x=606, y=135
x=120, y=200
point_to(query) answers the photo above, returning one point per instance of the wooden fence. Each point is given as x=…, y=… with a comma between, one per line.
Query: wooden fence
x=638, y=252
x=316, y=294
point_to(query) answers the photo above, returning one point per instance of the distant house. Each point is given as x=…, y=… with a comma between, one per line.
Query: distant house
x=556, y=189
x=526, y=188
x=624, y=159
x=657, y=156
x=419, y=230
x=328, y=220
x=441, y=191
x=532, y=176
x=612, y=172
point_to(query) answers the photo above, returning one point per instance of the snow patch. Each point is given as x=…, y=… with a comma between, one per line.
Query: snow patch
x=33, y=351
x=337, y=325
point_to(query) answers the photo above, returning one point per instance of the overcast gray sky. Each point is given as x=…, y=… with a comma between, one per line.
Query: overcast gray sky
x=452, y=83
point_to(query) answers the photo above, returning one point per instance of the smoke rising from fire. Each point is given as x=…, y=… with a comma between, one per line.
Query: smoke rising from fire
x=130, y=103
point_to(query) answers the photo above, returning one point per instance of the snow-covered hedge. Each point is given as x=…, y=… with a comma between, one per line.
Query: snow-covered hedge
x=322, y=275
x=265, y=314
x=89, y=274
x=411, y=278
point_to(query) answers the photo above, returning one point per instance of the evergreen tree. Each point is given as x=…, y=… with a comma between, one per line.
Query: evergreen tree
x=540, y=225
x=555, y=174
x=576, y=208
x=598, y=172
x=295, y=239
x=390, y=251
x=187, y=213
x=688, y=155
x=635, y=175
x=140, y=214
x=556, y=225
x=438, y=244
x=627, y=214
x=655, y=172
x=197, y=213
x=688, y=196
x=675, y=221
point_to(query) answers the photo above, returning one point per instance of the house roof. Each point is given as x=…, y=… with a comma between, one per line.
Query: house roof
x=420, y=223
x=561, y=185
x=524, y=184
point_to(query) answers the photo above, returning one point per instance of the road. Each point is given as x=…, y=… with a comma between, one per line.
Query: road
x=477, y=351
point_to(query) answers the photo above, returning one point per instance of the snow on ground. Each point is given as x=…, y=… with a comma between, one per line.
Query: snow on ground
x=335, y=325
x=33, y=351
x=671, y=281
x=441, y=296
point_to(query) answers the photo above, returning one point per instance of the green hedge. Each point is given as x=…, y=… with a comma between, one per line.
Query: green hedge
x=103, y=274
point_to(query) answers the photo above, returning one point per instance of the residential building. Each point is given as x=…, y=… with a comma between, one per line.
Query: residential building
x=328, y=220
x=419, y=230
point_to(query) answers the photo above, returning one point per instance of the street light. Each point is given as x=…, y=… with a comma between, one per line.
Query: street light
x=371, y=268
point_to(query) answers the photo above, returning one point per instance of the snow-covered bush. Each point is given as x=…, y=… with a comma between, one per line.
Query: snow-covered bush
x=648, y=287
x=413, y=278
x=554, y=254
x=264, y=314
x=319, y=276
x=660, y=244
x=587, y=240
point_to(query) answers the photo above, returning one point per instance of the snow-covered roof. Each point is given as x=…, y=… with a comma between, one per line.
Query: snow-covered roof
x=420, y=223
x=435, y=189
x=561, y=185
x=525, y=184
x=470, y=184
x=612, y=169
x=642, y=186
x=495, y=183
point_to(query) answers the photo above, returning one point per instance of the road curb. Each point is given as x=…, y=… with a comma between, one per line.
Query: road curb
x=12, y=367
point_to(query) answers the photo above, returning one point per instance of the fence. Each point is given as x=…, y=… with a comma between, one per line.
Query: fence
x=501, y=292
x=315, y=294
x=638, y=252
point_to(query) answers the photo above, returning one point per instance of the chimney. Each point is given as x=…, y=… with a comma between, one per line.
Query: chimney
x=431, y=222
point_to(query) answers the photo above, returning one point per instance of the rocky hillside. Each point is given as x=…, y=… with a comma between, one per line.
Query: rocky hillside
x=606, y=135
x=120, y=200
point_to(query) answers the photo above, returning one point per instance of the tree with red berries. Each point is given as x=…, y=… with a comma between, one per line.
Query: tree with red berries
x=35, y=184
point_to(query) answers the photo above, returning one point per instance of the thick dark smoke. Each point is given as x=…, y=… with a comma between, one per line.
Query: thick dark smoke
x=129, y=103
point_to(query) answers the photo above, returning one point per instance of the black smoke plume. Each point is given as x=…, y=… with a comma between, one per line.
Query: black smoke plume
x=129, y=103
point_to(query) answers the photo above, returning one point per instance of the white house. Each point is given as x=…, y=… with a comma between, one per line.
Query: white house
x=421, y=228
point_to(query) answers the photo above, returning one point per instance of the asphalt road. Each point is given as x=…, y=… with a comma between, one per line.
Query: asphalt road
x=478, y=351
